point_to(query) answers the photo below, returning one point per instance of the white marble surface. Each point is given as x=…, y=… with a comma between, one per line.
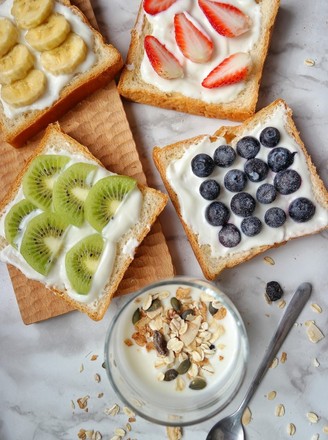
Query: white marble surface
x=40, y=364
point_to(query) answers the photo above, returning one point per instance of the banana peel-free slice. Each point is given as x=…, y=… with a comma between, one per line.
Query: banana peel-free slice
x=15, y=64
x=8, y=35
x=25, y=91
x=50, y=34
x=30, y=13
x=66, y=57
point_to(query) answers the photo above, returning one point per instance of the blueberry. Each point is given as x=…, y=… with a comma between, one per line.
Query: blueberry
x=270, y=137
x=209, y=189
x=248, y=147
x=242, y=204
x=235, y=180
x=273, y=291
x=217, y=214
x=287, y=182
x=280, y=159
x=224, y=156
x=229, y=236
x=301, y=210
x=202, y=165
x=275, y=217
x=251, y=226
x=256, y=170
x=266, y=193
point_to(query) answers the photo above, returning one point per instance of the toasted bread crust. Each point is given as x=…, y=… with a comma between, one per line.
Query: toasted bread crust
x=212, y=266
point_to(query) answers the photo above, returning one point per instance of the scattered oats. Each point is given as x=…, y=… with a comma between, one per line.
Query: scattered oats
x=316, y=308
x=81, y=434
x=113, y=410
x=283, y=357
x=309, y=62
x=128, y=427
x=173, y=432
x=96, y=436
x=94, y=357
x=120, y=432
x=291, y=429
x=269, y=260
x=116, y=437
x=274, y=363
x=137, y=402
x=271, y=395
x=81, y=368
x=175, y=344
x=308, y=322
x=100, y=395
x=72, y=404
x=164, y=294
x=83, y=402
x=128, y=411
x=281, y=304
x=325, y=429
x=314, y=333
x=160, y=377
x=279, y=410
x=209, y=368
x=316, y=363
x=315, y=437
x=97, y=378
x=312, y=417
x=89, y=433
x=247, y=417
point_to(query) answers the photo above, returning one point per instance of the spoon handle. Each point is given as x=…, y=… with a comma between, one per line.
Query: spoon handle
x=294, y=308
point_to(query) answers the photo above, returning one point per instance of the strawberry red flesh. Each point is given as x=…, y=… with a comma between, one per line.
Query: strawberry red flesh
x=193, y=43
x=162, y=60
x=226, y=19
x=154, y=7
x=231, y=70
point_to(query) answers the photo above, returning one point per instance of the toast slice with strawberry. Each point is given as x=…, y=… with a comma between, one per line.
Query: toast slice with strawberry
x=204, y=57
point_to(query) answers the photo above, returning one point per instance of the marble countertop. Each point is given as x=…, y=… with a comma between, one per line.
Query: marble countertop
x=45, y=367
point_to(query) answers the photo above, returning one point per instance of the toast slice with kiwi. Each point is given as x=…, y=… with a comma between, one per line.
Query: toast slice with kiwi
x=73, y=225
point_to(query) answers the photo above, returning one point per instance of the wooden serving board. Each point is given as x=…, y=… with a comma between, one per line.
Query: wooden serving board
x=99, y=122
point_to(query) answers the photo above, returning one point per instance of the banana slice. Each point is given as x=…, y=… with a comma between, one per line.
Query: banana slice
x=8, y=36
x=16, y=64
x=25, y=91
x=49, y=34
x=66, y=57
x=30, y=13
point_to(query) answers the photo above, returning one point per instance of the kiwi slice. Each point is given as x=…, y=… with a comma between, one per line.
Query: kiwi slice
x=104, y=198
x=40, y=177
x=70, y=191
x=82, y=262
x=14, y=218
x=42, y=241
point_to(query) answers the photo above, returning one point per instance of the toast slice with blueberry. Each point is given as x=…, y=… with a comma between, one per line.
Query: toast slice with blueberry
x=245, y=189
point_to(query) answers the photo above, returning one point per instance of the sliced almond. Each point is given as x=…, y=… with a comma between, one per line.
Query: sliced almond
x=113, y=410
x=312, y=417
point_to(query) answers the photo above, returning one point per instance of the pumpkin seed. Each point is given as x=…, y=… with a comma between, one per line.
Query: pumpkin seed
x=212, y=309
x=176, y=304
x=156, y=304
x=136, y=316
x=170, y=375
x=160, y=343
x=186, y=313
x=184, y=366
x=197, y=384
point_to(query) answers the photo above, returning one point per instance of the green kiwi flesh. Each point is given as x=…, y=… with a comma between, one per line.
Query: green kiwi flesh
x=70, y=191
x=82, y=262
x=104, y=198
x=39, y=179
x=14, y=218
x=42, y=241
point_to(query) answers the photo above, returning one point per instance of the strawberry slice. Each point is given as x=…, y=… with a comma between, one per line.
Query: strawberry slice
x=154, y=7
x=193, y=43
x=231, y=70
x=226, y=19
x=162, y=60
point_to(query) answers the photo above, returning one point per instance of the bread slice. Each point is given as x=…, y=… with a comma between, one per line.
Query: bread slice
x=153, y=202
x=18, y=128
x=236, y=108
x=212, y=263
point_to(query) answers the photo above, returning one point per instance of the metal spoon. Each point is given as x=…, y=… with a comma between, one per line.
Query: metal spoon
x=231, y=428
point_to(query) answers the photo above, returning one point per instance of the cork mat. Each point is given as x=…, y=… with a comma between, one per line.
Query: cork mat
x=99, y=122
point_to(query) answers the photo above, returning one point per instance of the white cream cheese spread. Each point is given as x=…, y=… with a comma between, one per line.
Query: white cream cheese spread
x=162, y=28
x=192, y=205
x=125, y=217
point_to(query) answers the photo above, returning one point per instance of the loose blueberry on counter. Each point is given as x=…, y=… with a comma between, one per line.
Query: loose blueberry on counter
x=270, y=137
x=256, y=170
x=251, y=226
x=287, y=182
x=209, y=189
x=235, y=180
x=275, y=217
x=248, y=147
x=273, y=291
x=279, y=159
x=202, y=165
x=229, y=236
x=217, y=214
x=242, y=204
x=224, y=156
x=301, y=210
x=266, y=193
